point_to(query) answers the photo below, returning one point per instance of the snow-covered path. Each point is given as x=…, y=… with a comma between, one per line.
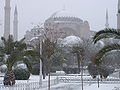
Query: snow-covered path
x=65, y=86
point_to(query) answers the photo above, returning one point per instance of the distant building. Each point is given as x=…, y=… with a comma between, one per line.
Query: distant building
x=63, y=24
x=32, y=33
x=60, y=25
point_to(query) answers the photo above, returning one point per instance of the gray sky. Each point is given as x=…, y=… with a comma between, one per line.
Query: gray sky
x=37, y=11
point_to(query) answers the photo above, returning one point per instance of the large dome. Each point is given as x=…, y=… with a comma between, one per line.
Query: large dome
x=62, y=13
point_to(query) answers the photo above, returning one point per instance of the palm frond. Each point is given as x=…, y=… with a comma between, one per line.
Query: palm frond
x=3, y=39
x=98, y=58
x=106, y=33
x=31, y=53
x=77, y=49
x=22, y=40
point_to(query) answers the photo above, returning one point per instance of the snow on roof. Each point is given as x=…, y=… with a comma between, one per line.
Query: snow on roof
x=21, y=66
x=62, y=13
x=71, y=41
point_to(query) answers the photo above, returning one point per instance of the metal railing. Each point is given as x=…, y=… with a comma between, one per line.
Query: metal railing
x=29, y=85
x=71, y=79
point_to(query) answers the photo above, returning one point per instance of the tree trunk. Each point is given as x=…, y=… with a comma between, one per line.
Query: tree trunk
x=43, y=71
x=78, y=60
x=82, y=78
x=49, y=69
x=49, y=81
x=82, y=71
x=9, y=78
x=98, y=82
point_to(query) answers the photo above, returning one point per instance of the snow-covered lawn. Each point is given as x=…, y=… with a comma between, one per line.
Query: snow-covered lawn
x=77, y=86
x=69, y=86
x=87, y=86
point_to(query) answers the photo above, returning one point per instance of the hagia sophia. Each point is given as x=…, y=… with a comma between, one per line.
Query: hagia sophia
x=62, y=24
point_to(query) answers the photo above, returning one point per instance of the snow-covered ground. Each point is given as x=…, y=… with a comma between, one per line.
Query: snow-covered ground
x=77, y=86
x=71, y=86
x=87, y=86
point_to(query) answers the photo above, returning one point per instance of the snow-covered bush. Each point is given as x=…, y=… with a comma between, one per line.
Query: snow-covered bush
x=3, y=68
x=71, y=41
x=21, y=72
x=35, y=69
x=103, y=71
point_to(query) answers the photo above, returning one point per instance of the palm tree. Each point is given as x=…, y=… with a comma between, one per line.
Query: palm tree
x=106, y=33
x=79, y=53
x=11, y=52
x=57, y=60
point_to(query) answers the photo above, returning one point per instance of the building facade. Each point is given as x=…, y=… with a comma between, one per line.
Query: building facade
x=63, y=24
x=60, y=25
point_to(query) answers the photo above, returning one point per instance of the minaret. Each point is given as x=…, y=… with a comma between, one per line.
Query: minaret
x=15, y=25
x=7, y=19
x=118, y=15
x=107, y=22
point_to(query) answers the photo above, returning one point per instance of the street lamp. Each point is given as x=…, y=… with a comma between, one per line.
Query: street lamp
x=40, y=74
x=39, y=37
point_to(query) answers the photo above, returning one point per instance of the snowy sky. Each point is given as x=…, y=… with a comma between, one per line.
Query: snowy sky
x=37, y=11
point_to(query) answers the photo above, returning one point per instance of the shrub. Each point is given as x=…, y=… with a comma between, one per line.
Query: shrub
x=35, y=69
x=103, y=71
x=21, y=73
x=3, y=68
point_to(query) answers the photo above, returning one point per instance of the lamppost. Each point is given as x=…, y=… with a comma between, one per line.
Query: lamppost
x=40, y=73
x=40, y=39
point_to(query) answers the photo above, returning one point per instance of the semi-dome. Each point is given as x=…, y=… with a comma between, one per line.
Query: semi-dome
x=71, y=41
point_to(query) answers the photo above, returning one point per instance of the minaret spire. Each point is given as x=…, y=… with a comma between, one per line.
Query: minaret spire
x=64, y=7
x=7, y=9
x=118, y=6
x=15, y=25
x=118, y=15
x=15, y=12
x=107, y=22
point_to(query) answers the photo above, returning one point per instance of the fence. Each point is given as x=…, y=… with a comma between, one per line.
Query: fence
x=22, y=86
x=87, y=80
x=29, y=85
x=116, y=88
x=61, y=79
